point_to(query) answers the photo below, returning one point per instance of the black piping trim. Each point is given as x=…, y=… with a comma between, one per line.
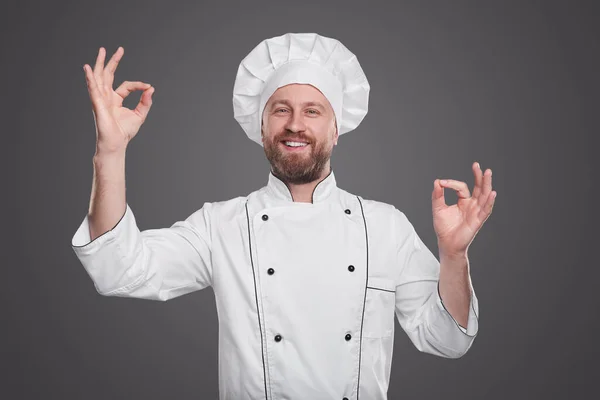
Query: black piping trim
x=364, y=300
x=96, y=238
x=285, y=184
x=385, y=290
x=257, y=309
x=453, y=319
x=315, y=188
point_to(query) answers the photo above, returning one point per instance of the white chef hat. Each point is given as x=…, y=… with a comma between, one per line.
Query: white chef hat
x=322, y=62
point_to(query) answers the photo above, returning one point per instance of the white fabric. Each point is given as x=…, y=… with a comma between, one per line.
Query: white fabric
x=312, y=299
x=306, y=58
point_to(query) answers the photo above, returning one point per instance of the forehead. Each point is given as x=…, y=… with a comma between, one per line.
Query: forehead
x=298, y=92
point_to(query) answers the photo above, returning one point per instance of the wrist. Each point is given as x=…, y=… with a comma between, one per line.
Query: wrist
x=103, y=156
x=453, y=255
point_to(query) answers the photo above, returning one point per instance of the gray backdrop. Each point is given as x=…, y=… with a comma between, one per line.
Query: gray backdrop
x=512, y=85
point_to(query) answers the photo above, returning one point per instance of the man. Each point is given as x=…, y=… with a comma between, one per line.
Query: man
x=307, y=277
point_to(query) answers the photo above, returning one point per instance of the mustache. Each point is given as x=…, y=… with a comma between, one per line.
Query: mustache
x=290, y=136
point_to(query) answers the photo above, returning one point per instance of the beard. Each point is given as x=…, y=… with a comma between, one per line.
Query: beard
x=297, y=167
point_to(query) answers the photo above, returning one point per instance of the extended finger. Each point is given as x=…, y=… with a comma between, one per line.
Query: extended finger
x=130, y=86
x=486, y=187
x=461, y=188
x=99, y=67
x=143, y=107
x=486, y=210
x=93, y=90
x=109, y=71
x=478, y=180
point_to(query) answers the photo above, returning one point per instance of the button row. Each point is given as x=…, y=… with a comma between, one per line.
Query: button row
x=265, y=217
x=278, y=338
x=271, y=271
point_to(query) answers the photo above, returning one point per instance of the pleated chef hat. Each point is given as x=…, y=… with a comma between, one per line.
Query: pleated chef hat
x=306, y=58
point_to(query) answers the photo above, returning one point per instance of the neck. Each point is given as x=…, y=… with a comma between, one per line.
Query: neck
x=302, y=193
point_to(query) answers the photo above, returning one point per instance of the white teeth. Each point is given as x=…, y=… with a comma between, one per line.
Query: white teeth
x=295, y=144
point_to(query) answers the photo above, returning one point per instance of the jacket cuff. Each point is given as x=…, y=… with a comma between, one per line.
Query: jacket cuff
x=473, y=319
x=106, y=257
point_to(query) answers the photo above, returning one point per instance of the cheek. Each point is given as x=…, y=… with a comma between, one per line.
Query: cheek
x=272, y=127
x=323, y=132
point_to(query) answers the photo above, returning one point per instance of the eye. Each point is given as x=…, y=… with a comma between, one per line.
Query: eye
x=281, y=109
x=315, y=111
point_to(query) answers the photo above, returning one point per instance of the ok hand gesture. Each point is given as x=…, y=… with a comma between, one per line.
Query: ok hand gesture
x=115, y=124
x=457, y=225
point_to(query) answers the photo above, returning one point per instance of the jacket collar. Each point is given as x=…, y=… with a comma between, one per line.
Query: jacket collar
x=323, y=190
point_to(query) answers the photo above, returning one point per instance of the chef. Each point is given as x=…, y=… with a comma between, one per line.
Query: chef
x=307, y=277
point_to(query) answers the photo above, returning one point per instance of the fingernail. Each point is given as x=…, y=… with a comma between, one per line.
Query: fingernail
x=444, y=181
x=478, y=166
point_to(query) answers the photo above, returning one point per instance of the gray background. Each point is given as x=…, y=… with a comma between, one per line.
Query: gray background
x=512, y=85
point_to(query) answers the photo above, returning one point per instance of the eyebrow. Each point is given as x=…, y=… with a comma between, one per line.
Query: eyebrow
x=306, y=104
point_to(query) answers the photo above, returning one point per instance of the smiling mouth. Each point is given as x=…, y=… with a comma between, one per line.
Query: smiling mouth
x=294, y=147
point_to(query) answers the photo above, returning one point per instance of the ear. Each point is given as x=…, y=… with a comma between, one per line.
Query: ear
x=335, y=138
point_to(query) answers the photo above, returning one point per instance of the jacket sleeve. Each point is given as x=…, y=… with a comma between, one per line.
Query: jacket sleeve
x=419, y=307
x=154, y=264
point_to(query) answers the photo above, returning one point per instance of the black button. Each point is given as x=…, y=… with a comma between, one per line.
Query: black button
x=348, y=336
x=278, y=338
x=347, y=211
x=265, y=217
x=270, y=271
x=351, y=268
x=345, y=398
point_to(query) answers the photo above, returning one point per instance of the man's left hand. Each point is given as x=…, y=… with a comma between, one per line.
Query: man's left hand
x=457, y=225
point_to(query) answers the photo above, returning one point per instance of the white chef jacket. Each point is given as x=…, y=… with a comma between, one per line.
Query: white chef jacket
x=306, y=293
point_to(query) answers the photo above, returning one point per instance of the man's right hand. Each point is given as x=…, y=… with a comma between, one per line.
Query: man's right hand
x=115, y=124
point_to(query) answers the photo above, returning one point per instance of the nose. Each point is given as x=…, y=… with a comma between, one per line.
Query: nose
x=295, y=122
